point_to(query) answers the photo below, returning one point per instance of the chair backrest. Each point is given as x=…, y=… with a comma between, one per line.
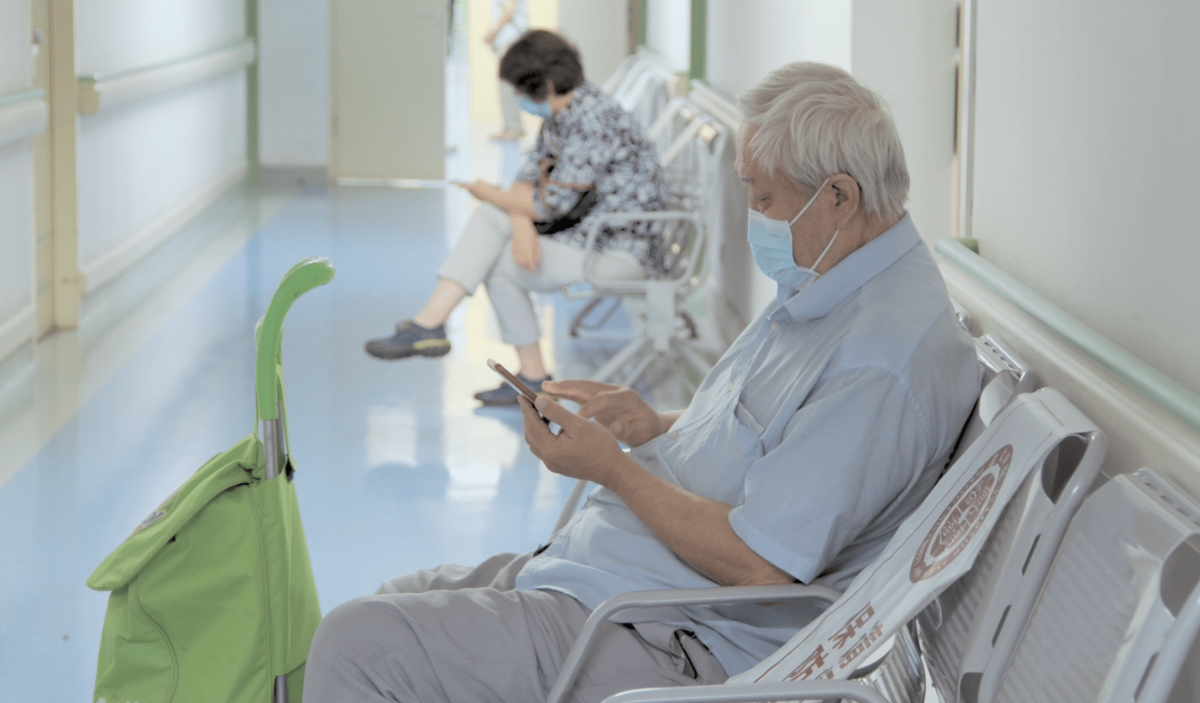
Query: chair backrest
x=693, y=142
x=1119, y=612
x=962, y=628
x=1005, y=377
x=976, y=619
x=642, y=86
x=891, y=671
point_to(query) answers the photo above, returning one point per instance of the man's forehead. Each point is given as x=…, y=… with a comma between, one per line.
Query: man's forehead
x=746, y=170
x=743, y=165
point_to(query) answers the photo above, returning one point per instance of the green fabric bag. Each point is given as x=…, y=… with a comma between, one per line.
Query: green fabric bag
x=213, y=595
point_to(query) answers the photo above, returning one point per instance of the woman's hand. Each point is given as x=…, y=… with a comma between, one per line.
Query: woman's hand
x=629, y=418
x=526, y=249
x=482, y=190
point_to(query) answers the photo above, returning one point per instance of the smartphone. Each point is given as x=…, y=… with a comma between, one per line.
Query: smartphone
x=512, y=380
x=515, y=382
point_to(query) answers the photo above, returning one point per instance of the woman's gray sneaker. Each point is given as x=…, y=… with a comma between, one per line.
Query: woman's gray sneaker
x=506, y=394
x=410, y=339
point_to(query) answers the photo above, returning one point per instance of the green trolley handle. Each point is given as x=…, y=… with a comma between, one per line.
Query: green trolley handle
x=268, y=386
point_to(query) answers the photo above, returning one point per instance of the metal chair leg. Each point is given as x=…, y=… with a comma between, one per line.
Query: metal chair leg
x=577, y=321
x=640, y=367
x=613, y=365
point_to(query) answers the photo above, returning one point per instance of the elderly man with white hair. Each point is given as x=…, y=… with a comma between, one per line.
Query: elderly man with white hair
x=822, y=427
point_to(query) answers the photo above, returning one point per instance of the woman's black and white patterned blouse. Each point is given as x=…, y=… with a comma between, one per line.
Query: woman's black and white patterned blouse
x=595, y=145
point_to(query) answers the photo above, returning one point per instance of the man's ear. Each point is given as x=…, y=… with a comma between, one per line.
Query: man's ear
x=849, y=198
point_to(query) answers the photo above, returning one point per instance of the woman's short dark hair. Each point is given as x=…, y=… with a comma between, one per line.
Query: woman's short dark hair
x=539, y=56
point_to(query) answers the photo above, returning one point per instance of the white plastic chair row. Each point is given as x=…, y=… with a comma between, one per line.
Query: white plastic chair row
x=642, y=86
x=667, y=331
x=674, y=131
x=1093, y=604
x=975, y=626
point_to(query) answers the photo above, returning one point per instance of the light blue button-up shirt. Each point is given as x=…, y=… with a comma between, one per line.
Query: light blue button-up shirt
x=824, y=425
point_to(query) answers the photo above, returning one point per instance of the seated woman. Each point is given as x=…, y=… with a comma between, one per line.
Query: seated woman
x=591, y=158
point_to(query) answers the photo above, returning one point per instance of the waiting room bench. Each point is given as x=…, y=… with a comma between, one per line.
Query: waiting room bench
x=1110, y=613
x=1018, y=552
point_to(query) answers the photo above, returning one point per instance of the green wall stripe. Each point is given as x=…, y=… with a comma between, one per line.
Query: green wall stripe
x=643, y=14
x=252, y=155
x=699, y=44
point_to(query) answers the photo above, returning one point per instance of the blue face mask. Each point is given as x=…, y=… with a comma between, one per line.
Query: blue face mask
x=541, y=110
x=771, y=244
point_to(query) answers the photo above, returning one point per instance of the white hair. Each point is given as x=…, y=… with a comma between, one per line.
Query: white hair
x=811, y=121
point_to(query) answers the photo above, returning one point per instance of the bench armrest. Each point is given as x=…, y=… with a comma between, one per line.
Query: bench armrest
x=754, y=693
x=670, y=598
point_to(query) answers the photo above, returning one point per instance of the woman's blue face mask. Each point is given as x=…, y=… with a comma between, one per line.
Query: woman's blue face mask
x=541, y=110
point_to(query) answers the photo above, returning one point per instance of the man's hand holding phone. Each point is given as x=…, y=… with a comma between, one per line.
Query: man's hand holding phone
x=585, y=449
x=619, y=409
x=582, y=449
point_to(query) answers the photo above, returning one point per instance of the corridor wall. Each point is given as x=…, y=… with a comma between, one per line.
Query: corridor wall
x=599, y=30
x=146, y=167
x=668, y=31
x=16, y=186
x=746, y=41
x=1085, y=177
x=903, y=49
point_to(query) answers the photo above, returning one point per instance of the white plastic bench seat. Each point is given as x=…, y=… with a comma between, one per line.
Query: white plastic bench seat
x=1035, y=440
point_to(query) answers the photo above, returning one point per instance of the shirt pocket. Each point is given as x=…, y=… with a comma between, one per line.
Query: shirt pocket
x=749, y=434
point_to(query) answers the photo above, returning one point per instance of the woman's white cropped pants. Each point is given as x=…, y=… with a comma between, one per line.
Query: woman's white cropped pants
x=483, y=254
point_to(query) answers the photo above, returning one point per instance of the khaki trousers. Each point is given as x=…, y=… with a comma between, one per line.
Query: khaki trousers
x=483, y=254
x=462, y=635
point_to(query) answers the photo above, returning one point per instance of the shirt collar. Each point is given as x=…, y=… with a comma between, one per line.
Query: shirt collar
x=849, y=274
x=583, y=91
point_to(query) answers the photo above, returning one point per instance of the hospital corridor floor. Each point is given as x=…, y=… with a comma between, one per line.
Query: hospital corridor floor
x=398, y=467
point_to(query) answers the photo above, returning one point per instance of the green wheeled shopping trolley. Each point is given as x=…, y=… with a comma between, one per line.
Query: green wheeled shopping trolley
x=213, y=597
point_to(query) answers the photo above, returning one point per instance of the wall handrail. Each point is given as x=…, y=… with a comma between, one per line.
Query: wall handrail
x=107, y=90
x=1153, y=384
x=22, y=114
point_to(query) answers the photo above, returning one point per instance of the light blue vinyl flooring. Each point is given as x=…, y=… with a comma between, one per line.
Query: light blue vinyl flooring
x=398, y=467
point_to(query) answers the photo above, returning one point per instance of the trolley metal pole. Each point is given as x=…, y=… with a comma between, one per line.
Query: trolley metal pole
x=271, y=449
x=302, y=277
